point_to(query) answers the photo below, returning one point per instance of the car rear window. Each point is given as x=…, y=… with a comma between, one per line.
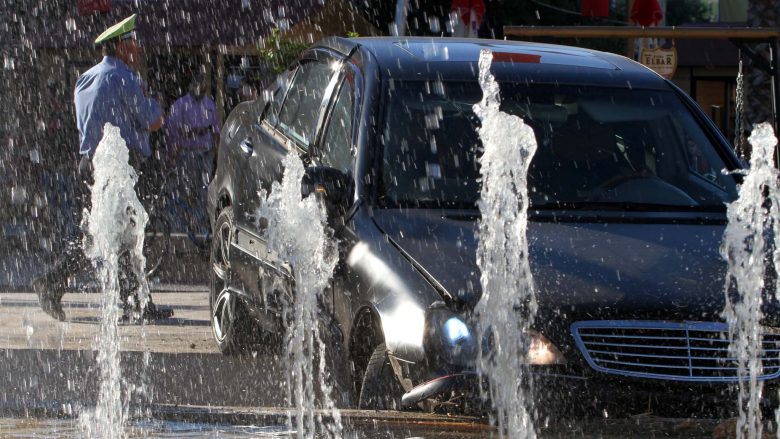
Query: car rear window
x=594, y=144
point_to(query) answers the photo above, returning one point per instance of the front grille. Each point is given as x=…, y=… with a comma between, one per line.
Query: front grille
x=690, y=351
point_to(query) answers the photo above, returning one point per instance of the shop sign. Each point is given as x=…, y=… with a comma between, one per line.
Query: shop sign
x=662, y=61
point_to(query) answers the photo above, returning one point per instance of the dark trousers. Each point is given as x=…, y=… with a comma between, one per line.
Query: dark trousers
x=72, y=260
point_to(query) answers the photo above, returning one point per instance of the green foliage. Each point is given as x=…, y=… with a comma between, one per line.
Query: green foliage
x=279, y=52
x=351, y=34
x=686, y=11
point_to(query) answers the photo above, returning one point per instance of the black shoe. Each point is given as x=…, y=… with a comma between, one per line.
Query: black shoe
x=153, y=312
x=46, y=290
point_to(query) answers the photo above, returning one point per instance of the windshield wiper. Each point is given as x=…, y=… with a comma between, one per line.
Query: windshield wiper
x=626, y=206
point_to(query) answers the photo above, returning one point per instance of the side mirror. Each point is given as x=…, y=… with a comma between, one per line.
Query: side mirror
x=261, y=106
x=332, y=185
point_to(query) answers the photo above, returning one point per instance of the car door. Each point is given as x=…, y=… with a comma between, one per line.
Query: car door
x=336, y=149
x=273, y=137
x=256, y=143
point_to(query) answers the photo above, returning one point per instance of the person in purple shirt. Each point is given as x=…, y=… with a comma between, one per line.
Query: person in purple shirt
x=191, y=134
x=192, y=123
x=110, y=92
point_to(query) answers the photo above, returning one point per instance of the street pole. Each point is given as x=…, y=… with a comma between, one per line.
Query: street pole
x=775, y=93
x=399, y=27
x=630, y=42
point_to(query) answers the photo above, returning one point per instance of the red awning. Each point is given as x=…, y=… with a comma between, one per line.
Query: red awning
x=646, y=12
x=87, y=7
x=595, y=8
x=464, y=7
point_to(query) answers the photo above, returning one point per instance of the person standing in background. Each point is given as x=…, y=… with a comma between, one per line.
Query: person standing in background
x=192, y=133
x=246, y=91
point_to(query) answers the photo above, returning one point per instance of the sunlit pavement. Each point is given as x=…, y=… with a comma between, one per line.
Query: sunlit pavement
x=23, y=325
x=45, y=360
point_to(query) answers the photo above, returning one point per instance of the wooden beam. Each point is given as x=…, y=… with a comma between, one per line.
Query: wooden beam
x=723, y=33
x=245, y=50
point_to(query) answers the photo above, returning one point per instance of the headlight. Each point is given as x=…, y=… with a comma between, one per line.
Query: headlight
x=542, y=351
x=539, y=349
x=449, y=338
x=456, y=331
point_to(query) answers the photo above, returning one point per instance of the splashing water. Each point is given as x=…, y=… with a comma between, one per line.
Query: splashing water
x=115, y=222
x=508, y=302
x=298, y=233
x=745, y=249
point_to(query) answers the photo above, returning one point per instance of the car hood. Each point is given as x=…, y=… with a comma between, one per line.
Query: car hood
x=597, y=270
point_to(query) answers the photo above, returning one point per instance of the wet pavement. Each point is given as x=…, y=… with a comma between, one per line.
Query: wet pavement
x=186, y=388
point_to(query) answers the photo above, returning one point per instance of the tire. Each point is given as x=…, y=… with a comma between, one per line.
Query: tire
x=380, y=389
x=339, y=371
x=157, y=243
x=229, y=320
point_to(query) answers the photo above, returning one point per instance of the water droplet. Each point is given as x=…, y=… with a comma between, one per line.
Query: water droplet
x=433, y=23
x=431, y=121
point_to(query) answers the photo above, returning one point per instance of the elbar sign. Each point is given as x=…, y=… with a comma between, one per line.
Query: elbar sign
x=662, y=61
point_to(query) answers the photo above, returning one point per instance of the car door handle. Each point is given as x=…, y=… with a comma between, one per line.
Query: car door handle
x=246, y=146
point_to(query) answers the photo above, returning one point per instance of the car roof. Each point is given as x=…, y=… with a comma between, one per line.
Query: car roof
x=433, y=58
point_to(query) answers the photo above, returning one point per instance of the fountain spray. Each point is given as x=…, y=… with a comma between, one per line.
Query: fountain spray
x=115, y=223
x=297, y=231
x=508, y=305
x=745, y=248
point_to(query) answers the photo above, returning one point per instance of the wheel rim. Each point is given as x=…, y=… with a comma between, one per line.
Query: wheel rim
x=222, y=246
x=222, y=305
x=222, y=315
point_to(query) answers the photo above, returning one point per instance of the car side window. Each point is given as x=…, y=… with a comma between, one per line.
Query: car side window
x=300, y=110
x=276, y=94
x=337, y=144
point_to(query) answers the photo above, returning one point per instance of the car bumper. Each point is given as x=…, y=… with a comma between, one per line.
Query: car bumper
x=601, y=394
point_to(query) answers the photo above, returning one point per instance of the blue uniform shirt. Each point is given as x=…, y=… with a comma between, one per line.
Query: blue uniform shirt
x=112, y=93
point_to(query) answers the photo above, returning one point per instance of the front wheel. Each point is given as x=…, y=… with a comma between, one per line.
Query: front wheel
x=380, y=389
x=228, y=318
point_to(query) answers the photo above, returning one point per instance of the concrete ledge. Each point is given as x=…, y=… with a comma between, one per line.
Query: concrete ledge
x=407, y=424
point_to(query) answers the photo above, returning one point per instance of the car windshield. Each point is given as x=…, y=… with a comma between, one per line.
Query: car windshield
x=597, y=146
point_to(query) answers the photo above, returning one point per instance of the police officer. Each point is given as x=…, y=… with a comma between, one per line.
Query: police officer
x=110, y=92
